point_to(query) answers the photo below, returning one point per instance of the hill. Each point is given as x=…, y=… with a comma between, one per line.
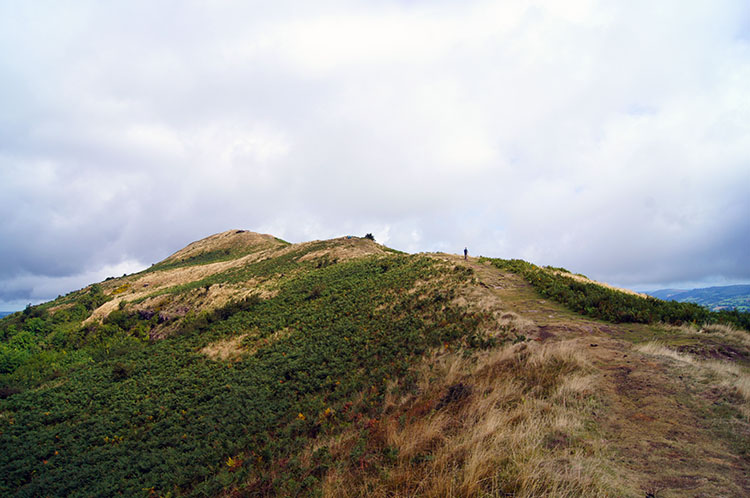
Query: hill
x=246, y=366
x=715, y=298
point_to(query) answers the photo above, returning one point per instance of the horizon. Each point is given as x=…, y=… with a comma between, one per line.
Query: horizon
x=610, y=139
x=642, y=289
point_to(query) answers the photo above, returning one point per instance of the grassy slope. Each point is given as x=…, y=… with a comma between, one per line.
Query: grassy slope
x=132, y=415
x=339, y=367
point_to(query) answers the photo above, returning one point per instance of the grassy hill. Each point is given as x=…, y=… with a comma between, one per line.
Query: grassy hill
x=725, y=297
x=244, y=365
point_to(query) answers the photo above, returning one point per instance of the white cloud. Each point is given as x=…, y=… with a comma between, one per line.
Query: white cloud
x=604, y=136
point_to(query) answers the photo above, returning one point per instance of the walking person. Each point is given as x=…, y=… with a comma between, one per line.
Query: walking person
x=466, y=254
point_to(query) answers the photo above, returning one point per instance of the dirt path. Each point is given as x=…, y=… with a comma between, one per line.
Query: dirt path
x=661, y=420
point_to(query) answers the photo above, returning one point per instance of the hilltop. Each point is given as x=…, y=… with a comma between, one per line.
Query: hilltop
x=245, y=365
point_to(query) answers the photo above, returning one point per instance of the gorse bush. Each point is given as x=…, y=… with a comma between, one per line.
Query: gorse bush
x=164, y=418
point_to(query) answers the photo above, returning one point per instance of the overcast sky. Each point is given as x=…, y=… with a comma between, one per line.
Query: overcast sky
x=608, y=137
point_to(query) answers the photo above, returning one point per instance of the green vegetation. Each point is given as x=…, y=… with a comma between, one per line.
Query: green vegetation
x=198, y=259
x=38, y=346
x=715, y=298
x=128, y=416
x=332, y=367
x=608, y=304
x=212, y=256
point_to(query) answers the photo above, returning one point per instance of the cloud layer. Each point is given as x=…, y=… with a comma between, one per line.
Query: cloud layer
x=607, y=137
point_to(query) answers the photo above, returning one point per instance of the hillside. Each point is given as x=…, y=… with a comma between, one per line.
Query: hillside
x=715, y=298
x=246, y=366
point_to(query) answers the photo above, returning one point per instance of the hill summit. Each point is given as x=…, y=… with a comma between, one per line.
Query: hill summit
x=243, y=365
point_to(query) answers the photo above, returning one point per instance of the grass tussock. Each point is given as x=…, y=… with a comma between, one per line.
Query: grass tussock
x=507, y=421
x=727, y=332
x=511, y=321
x=722, y=373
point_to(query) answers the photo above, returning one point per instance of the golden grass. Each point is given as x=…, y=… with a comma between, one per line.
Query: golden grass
x=342, y=249
x=231, y=239
x=517, y=427
x=141, y=286
x=150, y=283
x=727, y=331
x=226, y=349
x=513, y=322
x=581, y=278
x=658, y=349
x=236, y=347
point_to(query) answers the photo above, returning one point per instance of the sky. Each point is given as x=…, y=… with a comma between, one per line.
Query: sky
x=611, y=138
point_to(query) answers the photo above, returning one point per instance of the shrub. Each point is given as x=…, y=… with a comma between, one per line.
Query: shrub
x=612, y=305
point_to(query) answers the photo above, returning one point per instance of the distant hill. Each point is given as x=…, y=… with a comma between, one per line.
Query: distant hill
x=6, y=313
x=716, y=298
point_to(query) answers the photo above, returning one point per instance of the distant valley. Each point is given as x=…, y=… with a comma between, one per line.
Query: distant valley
x=716, y=298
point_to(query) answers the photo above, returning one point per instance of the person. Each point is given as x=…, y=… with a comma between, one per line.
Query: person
x=466, y=253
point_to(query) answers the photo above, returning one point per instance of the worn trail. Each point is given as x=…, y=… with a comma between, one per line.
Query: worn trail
x=658, y=416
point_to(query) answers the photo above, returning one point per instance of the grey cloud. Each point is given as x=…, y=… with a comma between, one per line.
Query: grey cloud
x=608, y=138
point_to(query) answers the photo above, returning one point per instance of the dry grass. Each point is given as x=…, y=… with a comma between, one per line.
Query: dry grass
x=156, y=281
x=507, y=421
x=265, y=246
x=231, y=239
x=234, y=348
x=226, y=349
x=659, y=349
x=342, y=249
x=722, y=373
x=727, y=331
x=137, y=287
x=581, y=278
x=512, y=322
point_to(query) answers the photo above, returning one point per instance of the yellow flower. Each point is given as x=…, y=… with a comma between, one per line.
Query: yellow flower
x=301, y=416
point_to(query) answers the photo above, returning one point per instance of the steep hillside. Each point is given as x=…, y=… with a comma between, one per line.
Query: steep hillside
x=244, y=365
